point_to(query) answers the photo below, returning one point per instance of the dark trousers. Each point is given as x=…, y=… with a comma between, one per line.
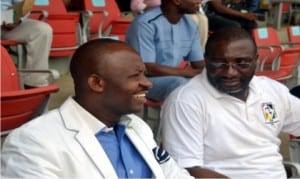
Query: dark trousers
x=217, y=21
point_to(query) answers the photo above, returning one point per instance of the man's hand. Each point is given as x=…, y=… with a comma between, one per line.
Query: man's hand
x=249, y=16
x=188, y=71
x=10, y=26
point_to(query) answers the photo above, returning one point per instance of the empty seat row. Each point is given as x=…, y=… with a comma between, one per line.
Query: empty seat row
x=276, y=60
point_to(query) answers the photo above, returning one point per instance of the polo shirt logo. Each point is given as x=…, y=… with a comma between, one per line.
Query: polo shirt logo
x=269, y=113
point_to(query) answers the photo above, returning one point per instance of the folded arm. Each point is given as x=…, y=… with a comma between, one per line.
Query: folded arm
x=154, y=69
x=222, y=9
x=199, y=172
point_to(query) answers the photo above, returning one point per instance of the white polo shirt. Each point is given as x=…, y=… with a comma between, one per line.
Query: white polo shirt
x=204, y=127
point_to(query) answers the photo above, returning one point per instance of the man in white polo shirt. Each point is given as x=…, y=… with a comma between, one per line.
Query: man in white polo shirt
x=226, y=121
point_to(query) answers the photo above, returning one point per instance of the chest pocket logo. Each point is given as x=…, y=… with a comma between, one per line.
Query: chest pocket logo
x=269, y=113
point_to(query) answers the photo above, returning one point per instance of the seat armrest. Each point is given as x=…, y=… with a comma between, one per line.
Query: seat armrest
x=51, y=76
x=54, y=73
x=44, y=14
x=276, y=60
x=292, y=168
x=86, y=15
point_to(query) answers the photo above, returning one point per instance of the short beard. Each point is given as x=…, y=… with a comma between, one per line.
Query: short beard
x=244, y=85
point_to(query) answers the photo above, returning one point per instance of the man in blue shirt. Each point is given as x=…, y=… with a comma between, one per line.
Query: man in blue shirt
x=164, y=37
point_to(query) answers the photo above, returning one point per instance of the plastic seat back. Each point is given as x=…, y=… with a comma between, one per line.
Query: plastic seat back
x=19, y=105
x=294, y=34
x=111, y=20
x=267, y=37
x=65, y=26
x=9, y=74
x=289, y=61
x=51, y=6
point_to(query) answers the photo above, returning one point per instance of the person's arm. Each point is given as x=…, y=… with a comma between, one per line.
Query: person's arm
x=137, y=6
x=199, y=172
x=154, y=69
x=198, y=65
x=291, y=123
x=24, y=156
x=10, y=26
x=222, y=9
x=140, y=36
x=183, y=133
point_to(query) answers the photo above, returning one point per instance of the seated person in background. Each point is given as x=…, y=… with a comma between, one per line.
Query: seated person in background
x=219, y=16
x=140, y=6
x=164, y=36
x=93, y=134
x=247, y=5
x=37, y=36
x=226, y=121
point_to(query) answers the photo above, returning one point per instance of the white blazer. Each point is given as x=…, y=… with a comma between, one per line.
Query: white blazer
x=59, y=145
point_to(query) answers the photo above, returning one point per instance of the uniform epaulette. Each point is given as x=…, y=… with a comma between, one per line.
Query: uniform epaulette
x=149, y=21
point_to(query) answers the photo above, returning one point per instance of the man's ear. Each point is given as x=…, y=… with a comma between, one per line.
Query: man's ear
x=96, y=83
x=205, y=61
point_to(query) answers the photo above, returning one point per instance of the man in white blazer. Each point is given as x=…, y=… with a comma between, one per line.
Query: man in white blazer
x=93, y=134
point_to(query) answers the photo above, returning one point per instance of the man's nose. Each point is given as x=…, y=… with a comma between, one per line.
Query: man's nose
x=146, y=82
x=232, y=69
x=199, y=1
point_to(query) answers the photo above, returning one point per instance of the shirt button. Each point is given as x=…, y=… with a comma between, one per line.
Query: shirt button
x=131, y=171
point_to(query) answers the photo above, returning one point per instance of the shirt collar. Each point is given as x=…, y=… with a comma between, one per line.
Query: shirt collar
x=92, y=122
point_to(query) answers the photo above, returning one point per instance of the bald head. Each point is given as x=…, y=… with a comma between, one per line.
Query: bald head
x=91, y=58
x=227, y=35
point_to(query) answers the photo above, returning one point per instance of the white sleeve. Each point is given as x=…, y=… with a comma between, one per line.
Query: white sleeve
x=25, y=156
x=183, y=130
x=292, y=119
x=167, y=164
x=172, y=170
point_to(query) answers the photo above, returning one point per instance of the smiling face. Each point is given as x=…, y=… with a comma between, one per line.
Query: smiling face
x=109, y=79
x=125, y=83
x=232, y=77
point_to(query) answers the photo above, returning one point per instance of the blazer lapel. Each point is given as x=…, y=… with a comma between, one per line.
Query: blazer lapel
x=86, y=139
x=96, y=153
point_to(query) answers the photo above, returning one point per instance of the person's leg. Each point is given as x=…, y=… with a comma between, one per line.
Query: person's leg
x=253, y=5
x=37, y=37
x=163, y=86
x=216, y=22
